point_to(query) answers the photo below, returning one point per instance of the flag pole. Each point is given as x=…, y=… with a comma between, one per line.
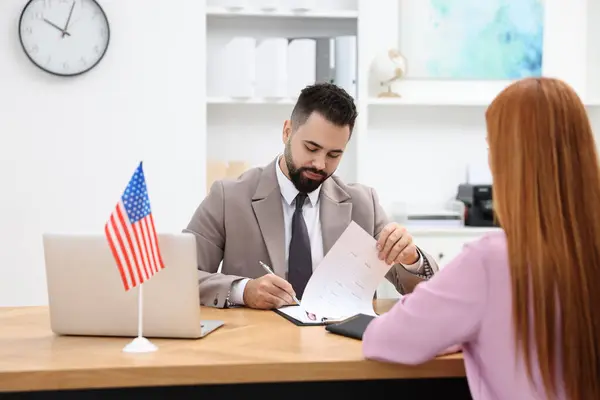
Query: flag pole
x=140, y=309
x=140, y=344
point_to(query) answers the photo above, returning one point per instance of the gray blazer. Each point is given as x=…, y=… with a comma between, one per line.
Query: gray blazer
x=241, y=222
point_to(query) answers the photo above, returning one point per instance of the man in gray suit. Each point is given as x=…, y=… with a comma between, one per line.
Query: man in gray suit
x=289, y=213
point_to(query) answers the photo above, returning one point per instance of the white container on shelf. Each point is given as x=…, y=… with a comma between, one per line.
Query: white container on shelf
x=238, y=63
x=302, y=58
x=272, y=68
x=346, y=63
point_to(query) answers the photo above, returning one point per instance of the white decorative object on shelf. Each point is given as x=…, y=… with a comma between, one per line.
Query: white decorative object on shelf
x=272, y=68
x=239, y=67
x=387, y=68
x=302, y=58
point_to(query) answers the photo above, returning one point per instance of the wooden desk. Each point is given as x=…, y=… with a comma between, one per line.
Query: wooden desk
x=253, y=347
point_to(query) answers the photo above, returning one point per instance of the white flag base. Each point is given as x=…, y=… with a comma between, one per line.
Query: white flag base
x=140, y=345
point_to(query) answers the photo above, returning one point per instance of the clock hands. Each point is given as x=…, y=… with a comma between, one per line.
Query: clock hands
x=57, y=27
x=64, y=31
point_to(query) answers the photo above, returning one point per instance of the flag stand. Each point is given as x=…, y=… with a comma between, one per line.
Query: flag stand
x=140, y=344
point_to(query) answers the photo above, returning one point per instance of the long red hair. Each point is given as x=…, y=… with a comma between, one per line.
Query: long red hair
x=547, y=199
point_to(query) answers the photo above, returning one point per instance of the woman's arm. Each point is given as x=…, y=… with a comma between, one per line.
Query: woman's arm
x=439, y=315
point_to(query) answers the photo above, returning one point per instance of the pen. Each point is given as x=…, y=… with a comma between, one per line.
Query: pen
x=270, y=271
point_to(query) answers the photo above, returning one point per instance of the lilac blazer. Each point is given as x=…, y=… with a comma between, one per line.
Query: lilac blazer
x=467, y=303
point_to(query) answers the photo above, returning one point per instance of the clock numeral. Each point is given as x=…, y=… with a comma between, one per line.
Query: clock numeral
x=97, y=49
x=28, y=30
x=83, y=61
x=37, y=15
x=65, y=66
x=48, y=60
x=34, y=49
x=104, y=33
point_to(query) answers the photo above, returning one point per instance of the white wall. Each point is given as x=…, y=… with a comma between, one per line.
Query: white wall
x=70, y=145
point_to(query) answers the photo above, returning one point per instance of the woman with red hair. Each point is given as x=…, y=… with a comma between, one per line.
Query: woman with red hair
x=523, y=303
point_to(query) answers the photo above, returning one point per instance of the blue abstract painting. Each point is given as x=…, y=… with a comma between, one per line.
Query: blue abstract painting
x=472, y=39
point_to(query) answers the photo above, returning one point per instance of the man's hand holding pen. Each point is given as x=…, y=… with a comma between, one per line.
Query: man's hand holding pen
x=269, y=291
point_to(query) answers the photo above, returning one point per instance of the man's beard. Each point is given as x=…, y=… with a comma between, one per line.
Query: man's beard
x=301, y=182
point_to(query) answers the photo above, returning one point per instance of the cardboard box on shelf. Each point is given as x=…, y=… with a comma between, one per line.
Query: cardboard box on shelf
x=236, y=168
x=215, y=170
x=218, y=170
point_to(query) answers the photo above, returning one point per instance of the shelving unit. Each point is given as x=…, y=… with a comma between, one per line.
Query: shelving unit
x=415, y=148
x=250, y=129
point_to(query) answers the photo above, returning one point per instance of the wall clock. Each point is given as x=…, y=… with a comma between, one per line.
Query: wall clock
x=64, y=37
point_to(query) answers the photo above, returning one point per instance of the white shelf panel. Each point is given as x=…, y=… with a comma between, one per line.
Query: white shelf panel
x=242, y=101
x=281, y=13
x=424, y=102
x=292, y=26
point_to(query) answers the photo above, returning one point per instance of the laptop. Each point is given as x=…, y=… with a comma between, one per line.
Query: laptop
x=86, y=296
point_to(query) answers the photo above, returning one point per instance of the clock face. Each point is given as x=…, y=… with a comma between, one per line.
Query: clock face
x=64, y=37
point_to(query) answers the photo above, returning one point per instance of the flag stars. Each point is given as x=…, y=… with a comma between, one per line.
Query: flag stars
x=135, y=198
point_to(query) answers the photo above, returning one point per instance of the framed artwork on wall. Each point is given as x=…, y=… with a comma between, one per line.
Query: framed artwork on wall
x=472, y=39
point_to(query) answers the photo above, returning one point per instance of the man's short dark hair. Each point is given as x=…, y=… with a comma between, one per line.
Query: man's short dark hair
x=330, y=101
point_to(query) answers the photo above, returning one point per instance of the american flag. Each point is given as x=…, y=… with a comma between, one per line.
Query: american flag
x=132, y=236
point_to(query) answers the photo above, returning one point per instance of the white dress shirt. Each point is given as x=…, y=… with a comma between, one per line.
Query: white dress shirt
x=310, y=211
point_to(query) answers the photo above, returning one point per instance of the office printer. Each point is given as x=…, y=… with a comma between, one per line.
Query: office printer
x=477, y=199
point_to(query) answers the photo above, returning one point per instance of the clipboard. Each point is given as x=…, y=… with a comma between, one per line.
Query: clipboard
x=293, y=315
x=344, y=283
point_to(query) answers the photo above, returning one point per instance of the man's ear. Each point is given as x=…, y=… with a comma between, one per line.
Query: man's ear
x=287, y=130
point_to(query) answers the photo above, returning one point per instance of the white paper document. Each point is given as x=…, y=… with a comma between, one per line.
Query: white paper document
x=345, y=281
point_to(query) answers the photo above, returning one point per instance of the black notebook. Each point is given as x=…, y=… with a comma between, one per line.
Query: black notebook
x=353, y=327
